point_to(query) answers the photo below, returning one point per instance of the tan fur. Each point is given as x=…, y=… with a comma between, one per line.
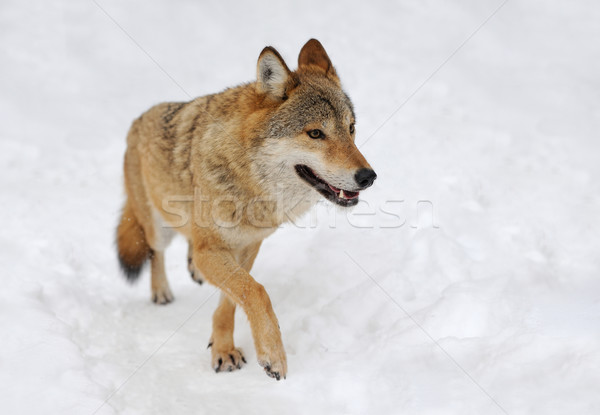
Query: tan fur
x=220, y=170
x=131, y=241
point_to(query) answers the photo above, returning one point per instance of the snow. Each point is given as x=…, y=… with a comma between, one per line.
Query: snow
x=489, y=305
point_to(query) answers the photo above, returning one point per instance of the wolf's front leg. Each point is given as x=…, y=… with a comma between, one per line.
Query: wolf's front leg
x=220, y=268
x=225, y=356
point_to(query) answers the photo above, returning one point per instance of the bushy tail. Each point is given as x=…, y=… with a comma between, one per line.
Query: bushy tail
x=132, y=246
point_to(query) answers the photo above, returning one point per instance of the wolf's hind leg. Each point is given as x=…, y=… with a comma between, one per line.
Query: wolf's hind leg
x=225, y=357
x=160, y=236
x=161, y=292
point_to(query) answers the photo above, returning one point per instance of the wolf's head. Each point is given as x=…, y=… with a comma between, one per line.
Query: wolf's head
x=310, y=128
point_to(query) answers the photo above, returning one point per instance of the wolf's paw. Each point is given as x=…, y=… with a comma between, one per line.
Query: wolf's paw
x=275, y=367
x=227, y=361
x=194, y=273
x=162, y=295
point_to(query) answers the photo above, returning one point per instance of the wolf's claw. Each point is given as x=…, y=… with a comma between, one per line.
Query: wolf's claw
x=270, y=371
x=198, y=280
x=196, y=276
x=228, y=361
x=162, y=296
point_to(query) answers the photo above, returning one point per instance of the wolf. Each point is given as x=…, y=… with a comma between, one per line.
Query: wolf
x=225, y=171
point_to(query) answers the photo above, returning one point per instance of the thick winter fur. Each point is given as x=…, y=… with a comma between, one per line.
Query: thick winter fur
x=225, y=170
x=131, y=244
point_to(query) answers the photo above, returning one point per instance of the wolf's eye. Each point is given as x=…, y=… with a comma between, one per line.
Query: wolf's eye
x=351, y=128
x=316, y=134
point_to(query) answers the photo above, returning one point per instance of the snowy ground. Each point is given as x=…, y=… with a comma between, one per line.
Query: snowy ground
x=493, y=307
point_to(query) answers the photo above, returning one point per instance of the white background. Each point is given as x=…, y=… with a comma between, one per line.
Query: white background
x=494, y=309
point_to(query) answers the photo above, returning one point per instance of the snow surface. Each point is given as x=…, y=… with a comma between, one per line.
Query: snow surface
x=491, y=307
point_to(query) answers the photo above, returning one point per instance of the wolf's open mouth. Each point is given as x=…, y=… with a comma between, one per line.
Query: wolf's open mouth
x=341, y=197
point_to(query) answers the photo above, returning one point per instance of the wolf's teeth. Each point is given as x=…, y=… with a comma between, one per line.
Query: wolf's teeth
x=342, y=196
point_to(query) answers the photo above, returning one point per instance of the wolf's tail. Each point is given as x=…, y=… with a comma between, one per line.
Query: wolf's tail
x=132, y=247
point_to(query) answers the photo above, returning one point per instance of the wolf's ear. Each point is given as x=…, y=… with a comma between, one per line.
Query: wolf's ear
x=313, y=55
x=273, y=75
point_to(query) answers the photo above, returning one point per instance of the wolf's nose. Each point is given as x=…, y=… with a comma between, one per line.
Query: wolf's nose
x=365, y=177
